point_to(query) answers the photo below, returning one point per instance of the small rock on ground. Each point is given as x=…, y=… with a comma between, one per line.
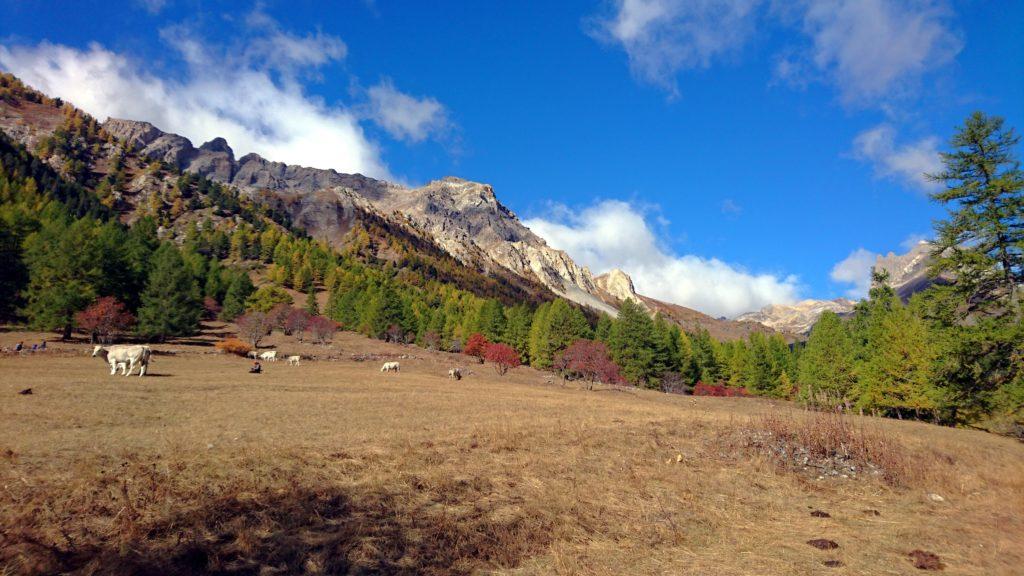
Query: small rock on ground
x=833, y=563
x=820, y=514
x=823, y=544
x=925, y=560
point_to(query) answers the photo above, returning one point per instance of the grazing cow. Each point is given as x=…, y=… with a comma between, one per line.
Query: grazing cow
x=254, y=354
x=125, y=357
x=269, y=356
x=294, y=360
x=455, y=374
x=390, y=367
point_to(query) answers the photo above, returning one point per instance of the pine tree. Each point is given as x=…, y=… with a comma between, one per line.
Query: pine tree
x=491, y=320
x=898, y=375
x=565, y=325
x=517, y=329
x=171, y=305
x=827, y=372
x=631, y=344
x=64, y=273
x=312, y=307
x=237, y=293
x=539, y=356
x=982, y=242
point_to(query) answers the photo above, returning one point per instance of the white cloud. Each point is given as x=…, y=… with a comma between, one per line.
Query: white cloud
x=906, y=162
x=855, y=269
x=405, y=117
x=615, y=234
x=731, y=207
x=873, y=49
x=664, y=37
x=250, y=97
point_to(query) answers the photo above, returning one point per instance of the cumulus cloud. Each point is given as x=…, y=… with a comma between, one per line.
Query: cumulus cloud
x=907, y=163
x=251, y=96
x=855, y=270
x=152, y=6
x=406, y=117
x=615, y=234
x=664, y=37
x=873, y=48
x=869, y=49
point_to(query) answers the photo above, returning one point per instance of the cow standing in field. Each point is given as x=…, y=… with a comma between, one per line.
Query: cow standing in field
x=455, y=374
x=390, y=367
x=125, y=357
x=294, y=360
x=269, y=356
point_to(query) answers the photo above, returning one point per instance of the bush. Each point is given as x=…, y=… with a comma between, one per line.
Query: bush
x=322, y=329
x=702, y=389
x=233, y=346
x=104, y=319
x=675, y=383
x=503, y=356
x=254, y=327
x=296, y=321
x=476, y=345
x=589, y=360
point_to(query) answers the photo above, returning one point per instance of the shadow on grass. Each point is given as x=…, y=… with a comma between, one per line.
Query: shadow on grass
x=285, y=532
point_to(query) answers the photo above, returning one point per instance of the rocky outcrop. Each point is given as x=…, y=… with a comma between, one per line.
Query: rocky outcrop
x=908, y=273
x=462, y=217
x=796, y=318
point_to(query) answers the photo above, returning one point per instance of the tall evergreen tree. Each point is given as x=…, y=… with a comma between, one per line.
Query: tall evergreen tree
x=631, y=343
x=239, y=290
x=171, y=305
x=539, y=357
x=826, y=366
x=518, y=320
x=898, y=375
x=982, y=241
x=312, y=306
x=64, y=273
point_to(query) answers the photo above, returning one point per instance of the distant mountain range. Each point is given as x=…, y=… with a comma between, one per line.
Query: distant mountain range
x=908, y=275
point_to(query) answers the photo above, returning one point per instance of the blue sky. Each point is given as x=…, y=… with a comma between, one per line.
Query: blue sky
x=726, y=153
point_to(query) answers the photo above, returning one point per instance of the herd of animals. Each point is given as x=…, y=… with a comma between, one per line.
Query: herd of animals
x=126, y=357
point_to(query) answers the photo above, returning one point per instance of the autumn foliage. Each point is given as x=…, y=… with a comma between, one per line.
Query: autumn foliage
x=589, y=360
x=476, y=345
x=322, y=329
x=233, y=346
x=104, y=319
x=503, y=356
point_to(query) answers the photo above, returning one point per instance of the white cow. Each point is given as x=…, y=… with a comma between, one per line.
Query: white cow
x=390, y=367
x=455, y=374
x=269, y=356
x=294, y=360
x=254, y=354
x=125, y=357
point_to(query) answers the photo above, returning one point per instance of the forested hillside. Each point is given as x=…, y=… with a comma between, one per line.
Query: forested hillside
x=98, y=239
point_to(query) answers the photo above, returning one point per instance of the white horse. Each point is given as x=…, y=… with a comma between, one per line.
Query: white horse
x=125, y=357
x=390, y=367
x=294, y=360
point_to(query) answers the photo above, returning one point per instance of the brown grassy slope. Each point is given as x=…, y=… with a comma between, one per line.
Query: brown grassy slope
x=333, y=467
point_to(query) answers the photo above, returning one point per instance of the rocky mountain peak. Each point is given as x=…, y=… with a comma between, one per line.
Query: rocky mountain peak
x=619, y=286
x=796, y=318
x=219, y=144
x=908, y=273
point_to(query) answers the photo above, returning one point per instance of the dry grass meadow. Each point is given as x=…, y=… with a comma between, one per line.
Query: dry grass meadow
x=334, y=468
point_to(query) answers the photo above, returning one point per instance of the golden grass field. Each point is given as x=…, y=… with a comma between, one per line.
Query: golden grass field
x=333, y=467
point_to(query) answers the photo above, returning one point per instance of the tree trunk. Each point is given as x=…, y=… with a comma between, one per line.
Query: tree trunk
x=66, y=334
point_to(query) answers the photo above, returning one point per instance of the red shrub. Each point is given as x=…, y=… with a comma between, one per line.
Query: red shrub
x=588, y=359
x=278, y=314
x=702, y=389
x=503, y=356
x=104, y=318
x=322, y=329
x=476, y=345
x=296, y=321
x=254, y=327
